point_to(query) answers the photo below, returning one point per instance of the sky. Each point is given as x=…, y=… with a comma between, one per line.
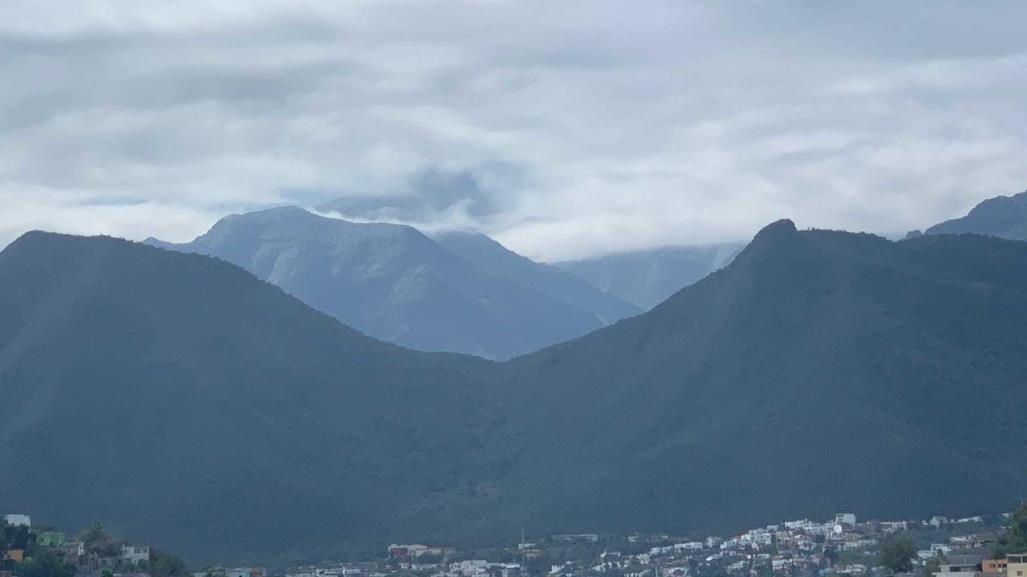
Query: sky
x=564, y=129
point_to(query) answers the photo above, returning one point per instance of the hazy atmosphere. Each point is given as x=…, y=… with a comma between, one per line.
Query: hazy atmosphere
x=496, y=288
x=562, y=129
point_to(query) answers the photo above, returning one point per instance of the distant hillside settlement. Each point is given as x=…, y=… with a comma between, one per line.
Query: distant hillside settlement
x=977, y=546
x=35, y=551
x=974, y=546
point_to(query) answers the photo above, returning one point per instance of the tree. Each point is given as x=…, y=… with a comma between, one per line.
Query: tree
x=45, y=563
x=932, y=566
x=4, y=565
x=1015, y=538
x=14, y=537
x=539, y=565
x=897, y=555
x=96, y=540
x=830, y=555
x=165, y=564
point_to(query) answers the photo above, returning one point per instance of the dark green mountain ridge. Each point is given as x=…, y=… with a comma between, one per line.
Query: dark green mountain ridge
x=184, y=401
x=819, y=371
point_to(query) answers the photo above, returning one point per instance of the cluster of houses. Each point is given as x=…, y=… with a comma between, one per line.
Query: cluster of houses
x=127, y=560
x=233, y=572
x=412, y=563
x=838, y=547
x=789, y=548
x=977, y=565
x=123, y=560
x=433, y=560
x=841, y=546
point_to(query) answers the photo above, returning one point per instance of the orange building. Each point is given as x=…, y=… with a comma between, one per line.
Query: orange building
x=993, y=566
x=16, y=555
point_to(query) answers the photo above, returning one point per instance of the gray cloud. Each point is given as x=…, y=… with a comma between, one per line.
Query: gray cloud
x=563, y=128
x=435, y=198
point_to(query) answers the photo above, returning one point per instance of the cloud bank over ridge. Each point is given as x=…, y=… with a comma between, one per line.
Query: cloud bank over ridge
x=563, y=129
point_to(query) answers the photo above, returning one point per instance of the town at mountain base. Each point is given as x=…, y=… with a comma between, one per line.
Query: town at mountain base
x=841, y=546
x=33, y=550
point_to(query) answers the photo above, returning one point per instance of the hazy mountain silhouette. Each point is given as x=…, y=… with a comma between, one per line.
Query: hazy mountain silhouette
x=489, y=255
x=1002, y=216
x=646, y=278
x=393, y=283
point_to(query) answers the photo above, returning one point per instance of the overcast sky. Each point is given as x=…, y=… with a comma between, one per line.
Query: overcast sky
x=563, y=128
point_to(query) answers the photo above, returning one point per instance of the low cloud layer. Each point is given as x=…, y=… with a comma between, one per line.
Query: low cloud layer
x=565, y=129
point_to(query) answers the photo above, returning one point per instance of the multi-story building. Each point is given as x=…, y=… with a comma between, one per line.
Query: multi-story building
x=135, y=554
x=961, y=566
x=993, y=566
x=1016, y=565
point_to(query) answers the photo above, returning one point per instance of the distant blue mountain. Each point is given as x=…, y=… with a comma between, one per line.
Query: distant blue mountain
x=648, y=277
x=394, y=283
x=639, y=279
x=1002, y=216
x=489, y=255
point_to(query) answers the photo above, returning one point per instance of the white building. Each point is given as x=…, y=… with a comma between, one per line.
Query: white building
x=471, y=567
x=818, y=530
x=845, y=519
x=894, y=526
x=1017, y=565
x=136, y=555
x=961, y=566
x=17, y=520
x=508, y=569
x=250, y=572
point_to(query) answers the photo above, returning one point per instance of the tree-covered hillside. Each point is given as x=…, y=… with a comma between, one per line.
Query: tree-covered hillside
x=190, y=404
x=819, y=371
x=197, y=406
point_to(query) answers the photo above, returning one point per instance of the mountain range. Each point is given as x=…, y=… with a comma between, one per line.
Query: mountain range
x=819, y=371
x=493, y=257
x=467, y=294
x=176, y=396
x=191, y=403
x=1001, y=216
x=645, y=278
